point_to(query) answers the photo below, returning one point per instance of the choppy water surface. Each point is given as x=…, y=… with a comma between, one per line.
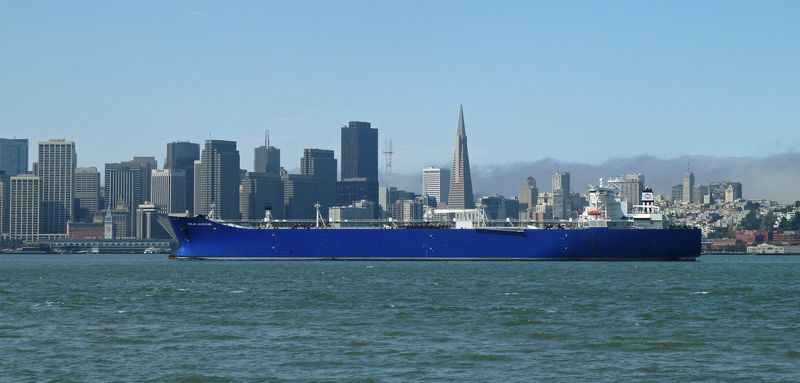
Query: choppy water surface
x=140, y=318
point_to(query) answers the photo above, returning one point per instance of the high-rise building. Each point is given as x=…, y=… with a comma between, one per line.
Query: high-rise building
x=300, y=195
x=677, y=193
x=321, y=164
x=267, y=158
x=259, y=190
x=198, y=170
x=562, y=207
x=5, y=209
x=181, y=156
x=352, y=190
x=56, y=171
x=718, y=190
x=688, y=186
x=168, y=191
x=436, y=183
x=13, y=156
x=630, y=188
x=498, y=208
x=25, y=196
x=460, y=196
x=219, y=179
x=359, y=151
x=148, y=164
x=528, y=194
x=123, y=191
x=87, y=193
x=700, y=194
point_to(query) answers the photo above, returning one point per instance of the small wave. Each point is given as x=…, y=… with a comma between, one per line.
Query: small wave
x=237, y=291
x=183, y=289
x=121, y=311
x=701, y=292
x=512, y=293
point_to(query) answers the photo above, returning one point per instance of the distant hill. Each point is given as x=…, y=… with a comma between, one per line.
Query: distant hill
x=775, y=177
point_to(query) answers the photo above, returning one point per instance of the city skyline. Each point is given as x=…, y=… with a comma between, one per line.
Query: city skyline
x=687, y=74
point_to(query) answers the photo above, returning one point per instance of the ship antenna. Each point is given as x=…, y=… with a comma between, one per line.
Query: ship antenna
x=319, y=215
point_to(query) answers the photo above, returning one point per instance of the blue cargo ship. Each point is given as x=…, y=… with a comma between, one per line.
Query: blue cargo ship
x=604, y=232
x=201, y=238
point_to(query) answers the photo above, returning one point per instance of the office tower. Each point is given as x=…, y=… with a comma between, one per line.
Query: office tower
x=498, y=208
x=688, y=186
x=181, y=156
x=561, y=195
x=198, y=170
x=700, y=194
x=219, y=179
x=718, y=190
x=528, y=194
x=87, y=193
x=387, y=195
x=13, y=156
x=56, y=171
x=300, y=195
x=24, y=212
x=460, y=196
x=267, y=158
x=5, y=208
x=148, y=164
x=259, y=190
x=123, y=190
x=359, y=151
x=629, y=188
x=436, y=183
x=677, y=193
x=168, y=191
x=321, y=164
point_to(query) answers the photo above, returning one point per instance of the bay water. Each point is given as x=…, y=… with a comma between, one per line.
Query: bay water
x=147, y=318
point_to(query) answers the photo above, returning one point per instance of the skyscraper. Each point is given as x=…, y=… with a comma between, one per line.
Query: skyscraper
x=561, y=195
x=219, y=181
x=148, y=164
x=436, y=183
x=25, y=208
x=5, y=208
x=198, y=170
x=123, y=191
x=267, y=158
x=688, y=186
x=359, y=165
x=259, y=190
x=181, y=156
x=321, y=164
x=56, y=171
x=87, y=193
x=168, y=192
x=528, y=194
x=13, y=156
x=461, y=196
x=299, y=196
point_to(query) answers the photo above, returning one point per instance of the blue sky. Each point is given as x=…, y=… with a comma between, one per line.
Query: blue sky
x=576, y=81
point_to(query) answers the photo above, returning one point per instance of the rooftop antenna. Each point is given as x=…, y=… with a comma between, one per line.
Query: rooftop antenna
x=387, y=152
x=266, y=138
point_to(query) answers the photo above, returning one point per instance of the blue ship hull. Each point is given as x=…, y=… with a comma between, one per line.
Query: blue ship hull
x=201, y=238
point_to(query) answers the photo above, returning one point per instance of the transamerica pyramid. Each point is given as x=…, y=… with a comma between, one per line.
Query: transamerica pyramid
x=460, y=179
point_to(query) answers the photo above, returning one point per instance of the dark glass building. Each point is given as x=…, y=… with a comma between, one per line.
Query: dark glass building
x=181, y=156
x=359, y=151
x=321, y=164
